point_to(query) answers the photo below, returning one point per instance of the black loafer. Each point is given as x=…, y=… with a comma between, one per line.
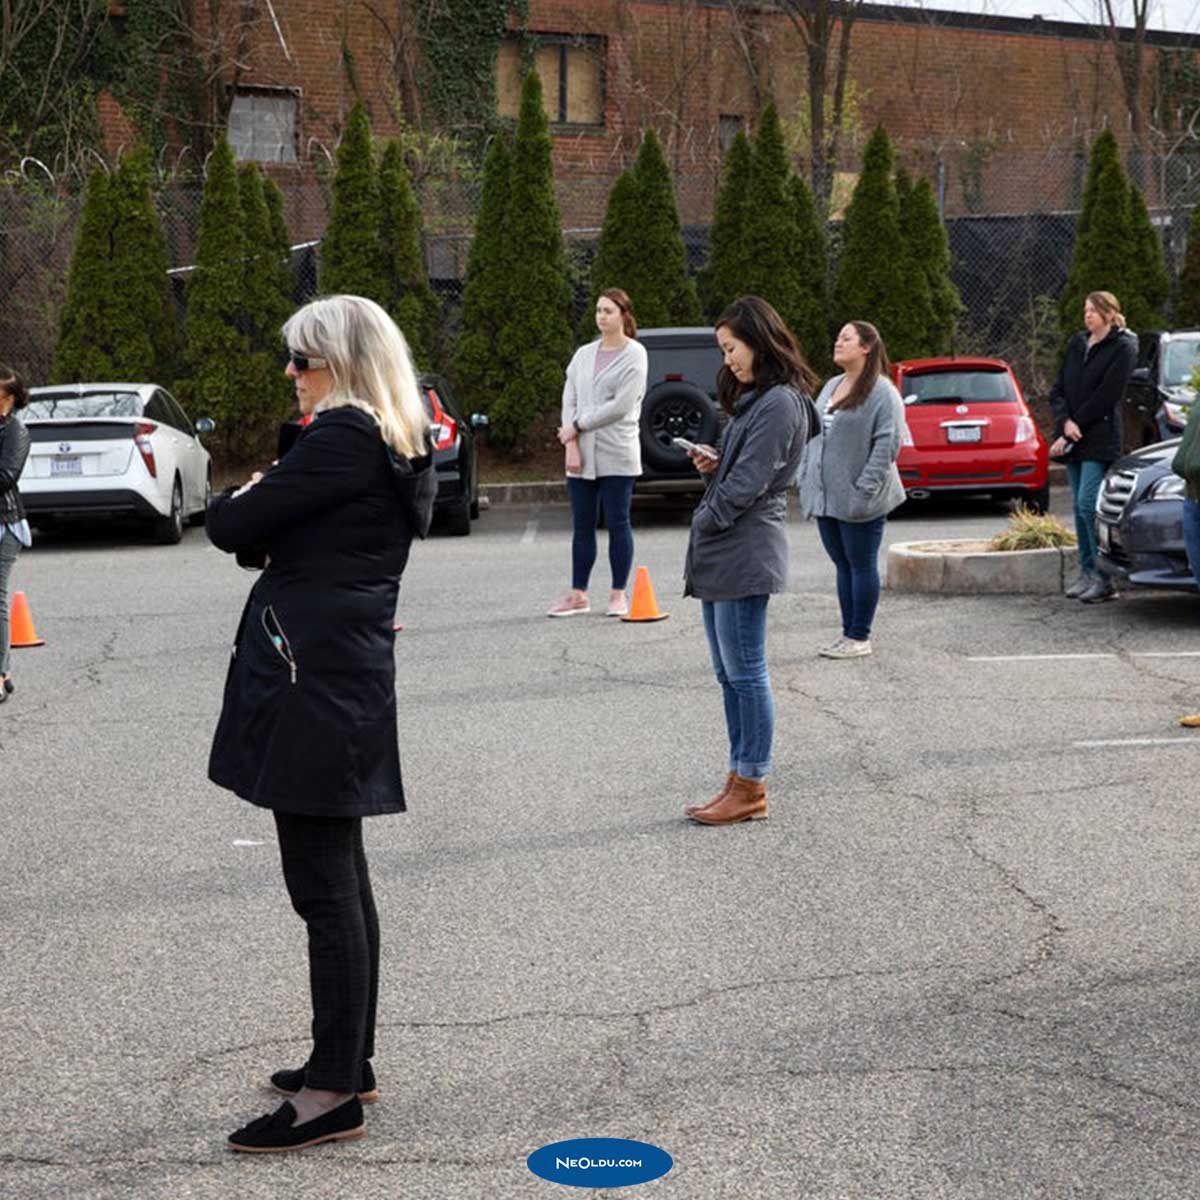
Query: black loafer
x=288, y=1083
x=275, y=1133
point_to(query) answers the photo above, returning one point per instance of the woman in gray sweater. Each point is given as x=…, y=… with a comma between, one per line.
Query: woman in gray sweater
x=738, y=550
x=601, y=405
x=849, y=480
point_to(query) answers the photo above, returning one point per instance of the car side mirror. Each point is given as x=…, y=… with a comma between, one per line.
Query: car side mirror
x=911, y=398
x=479, y=421
x=205, y=425
x=1141, y=375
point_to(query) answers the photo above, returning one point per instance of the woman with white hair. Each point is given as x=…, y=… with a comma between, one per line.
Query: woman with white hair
x=308, y=723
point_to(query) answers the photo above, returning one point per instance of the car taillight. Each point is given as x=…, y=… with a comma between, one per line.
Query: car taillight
x=141, y=437
x=445, y=427
x=1025, y=430
x=673, y=378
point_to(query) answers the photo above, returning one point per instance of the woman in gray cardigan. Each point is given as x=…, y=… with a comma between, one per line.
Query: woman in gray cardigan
x=849, y=480
x=601, y=406
x=738, y=549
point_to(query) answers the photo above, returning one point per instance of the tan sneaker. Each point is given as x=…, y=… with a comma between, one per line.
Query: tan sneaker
x=570, y=606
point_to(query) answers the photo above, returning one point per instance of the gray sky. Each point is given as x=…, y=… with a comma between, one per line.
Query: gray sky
x=1177, y=16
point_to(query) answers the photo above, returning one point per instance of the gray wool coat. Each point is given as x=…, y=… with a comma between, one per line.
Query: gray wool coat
x=849, y=472
x=608, y=407
x=738, y=544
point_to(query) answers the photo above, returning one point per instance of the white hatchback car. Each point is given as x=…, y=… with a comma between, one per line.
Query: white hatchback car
x=115, y=449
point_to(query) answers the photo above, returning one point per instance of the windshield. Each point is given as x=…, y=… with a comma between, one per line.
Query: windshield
x=1179, y=361
x=698, y=363
x=93, y=404
x=966, y=387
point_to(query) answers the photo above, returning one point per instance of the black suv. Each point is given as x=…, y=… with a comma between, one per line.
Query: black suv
x=680, y=401
x=1159, y=394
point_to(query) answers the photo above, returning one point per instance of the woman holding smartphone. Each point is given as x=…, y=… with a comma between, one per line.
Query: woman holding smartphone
x=601, y=406
x=737, y=553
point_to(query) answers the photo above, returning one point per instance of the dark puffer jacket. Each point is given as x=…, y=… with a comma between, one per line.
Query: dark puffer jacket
x=308, y=723
x=1089, y=389
x=14, y=450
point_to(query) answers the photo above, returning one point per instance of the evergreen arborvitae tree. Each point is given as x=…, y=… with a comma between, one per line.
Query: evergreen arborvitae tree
x=535, y=340
x=83, y=351
x=485, y=287
x=1149, y=280
x=720, y=280
x=919, y=298
x=771, y=236
x=873, y=274
x=351, y=263
x=279, y=260
x=267, y=392
x=1187, y=295
x=1105, y=153
x=618, y=252
x=217, y=341
x=928, y=247
x=812, y=266
x=412, y=304
x=662, y=291
x=143, y=334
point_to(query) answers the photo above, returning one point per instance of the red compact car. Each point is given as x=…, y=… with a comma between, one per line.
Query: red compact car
x=970, y=432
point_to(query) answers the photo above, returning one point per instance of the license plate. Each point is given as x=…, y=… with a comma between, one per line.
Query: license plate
x=964, y=433
x=66, y=464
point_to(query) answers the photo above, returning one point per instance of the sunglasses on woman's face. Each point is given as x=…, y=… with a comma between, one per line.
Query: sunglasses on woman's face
x=306, y=362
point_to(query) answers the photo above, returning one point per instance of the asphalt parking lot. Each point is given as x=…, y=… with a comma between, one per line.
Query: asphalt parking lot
x=960, y=960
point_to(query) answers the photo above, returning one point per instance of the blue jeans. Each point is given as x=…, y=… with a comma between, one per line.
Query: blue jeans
x=1191, y=535
x=854, y=548
x=615, y=494
x=737, y=641
x=1085, y=478
x=9, y=549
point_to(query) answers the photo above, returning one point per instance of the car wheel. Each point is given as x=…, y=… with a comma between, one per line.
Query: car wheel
x=1038, y=500
x=676, y=410
x=169, y=529
x=198, y=517
x=458, y=518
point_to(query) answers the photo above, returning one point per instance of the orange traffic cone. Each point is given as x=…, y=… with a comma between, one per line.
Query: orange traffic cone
x=21, y=624
x=644, y=606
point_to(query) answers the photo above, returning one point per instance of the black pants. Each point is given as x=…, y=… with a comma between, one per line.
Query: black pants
x=325, y=869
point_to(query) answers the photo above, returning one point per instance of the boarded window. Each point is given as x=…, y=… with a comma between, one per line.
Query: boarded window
x=262, y=126
x=572, y=74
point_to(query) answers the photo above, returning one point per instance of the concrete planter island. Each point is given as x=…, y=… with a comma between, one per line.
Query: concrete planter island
x=960, y=568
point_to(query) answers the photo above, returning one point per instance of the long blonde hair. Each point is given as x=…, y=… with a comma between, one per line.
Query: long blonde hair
x=370, y=363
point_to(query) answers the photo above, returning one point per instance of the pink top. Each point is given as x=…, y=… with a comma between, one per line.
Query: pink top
x=603, y=358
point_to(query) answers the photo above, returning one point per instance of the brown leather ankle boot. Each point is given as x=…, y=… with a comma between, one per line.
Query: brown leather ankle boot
x=745, y=801
x=690, y=810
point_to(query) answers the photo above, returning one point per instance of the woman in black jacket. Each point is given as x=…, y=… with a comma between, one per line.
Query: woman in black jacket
x=14, y=529
x=308, y=723
x=1087, y=427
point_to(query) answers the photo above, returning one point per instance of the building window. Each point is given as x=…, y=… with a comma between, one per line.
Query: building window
x=728, y=127
x=572, y=72
x=262, y=125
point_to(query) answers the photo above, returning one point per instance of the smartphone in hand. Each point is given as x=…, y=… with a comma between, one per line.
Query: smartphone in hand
x=692, y=448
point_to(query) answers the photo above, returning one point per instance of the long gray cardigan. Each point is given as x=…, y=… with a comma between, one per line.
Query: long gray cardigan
x=607, y=407
x=738, y=544
x=850, y=472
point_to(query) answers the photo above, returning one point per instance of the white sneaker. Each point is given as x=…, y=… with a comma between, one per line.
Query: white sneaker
x=847, y=648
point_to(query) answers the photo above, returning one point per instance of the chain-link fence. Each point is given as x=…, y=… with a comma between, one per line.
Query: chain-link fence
x=1011, y=224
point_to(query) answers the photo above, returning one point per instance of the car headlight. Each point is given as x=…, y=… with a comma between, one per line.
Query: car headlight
x=1169, y=487
x=1025, y=430
x=1177, y=414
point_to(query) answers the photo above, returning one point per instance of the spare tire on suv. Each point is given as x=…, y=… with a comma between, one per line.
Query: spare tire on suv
x=680, y=401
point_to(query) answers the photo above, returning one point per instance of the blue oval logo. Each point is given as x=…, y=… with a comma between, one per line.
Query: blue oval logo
x=599, y=1162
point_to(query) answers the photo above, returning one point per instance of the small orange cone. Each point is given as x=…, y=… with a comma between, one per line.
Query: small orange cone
x=21, y=624
x=644, y=606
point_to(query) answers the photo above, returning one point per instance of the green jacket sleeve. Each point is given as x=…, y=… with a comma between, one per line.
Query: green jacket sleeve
x=1186, y=462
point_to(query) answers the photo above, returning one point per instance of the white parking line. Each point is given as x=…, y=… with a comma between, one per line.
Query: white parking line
x=530, y=534
x=1171, y=741
x=1030, y=657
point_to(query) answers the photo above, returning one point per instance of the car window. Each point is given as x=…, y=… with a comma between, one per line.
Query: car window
x=947, y=387
x=1179, y=361
x=697, y=364
x=156, y=409
x=178, y=417
x=74, y=407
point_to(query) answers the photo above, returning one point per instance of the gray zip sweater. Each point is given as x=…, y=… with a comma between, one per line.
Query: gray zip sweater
x=849, y=472
x=738, y=544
